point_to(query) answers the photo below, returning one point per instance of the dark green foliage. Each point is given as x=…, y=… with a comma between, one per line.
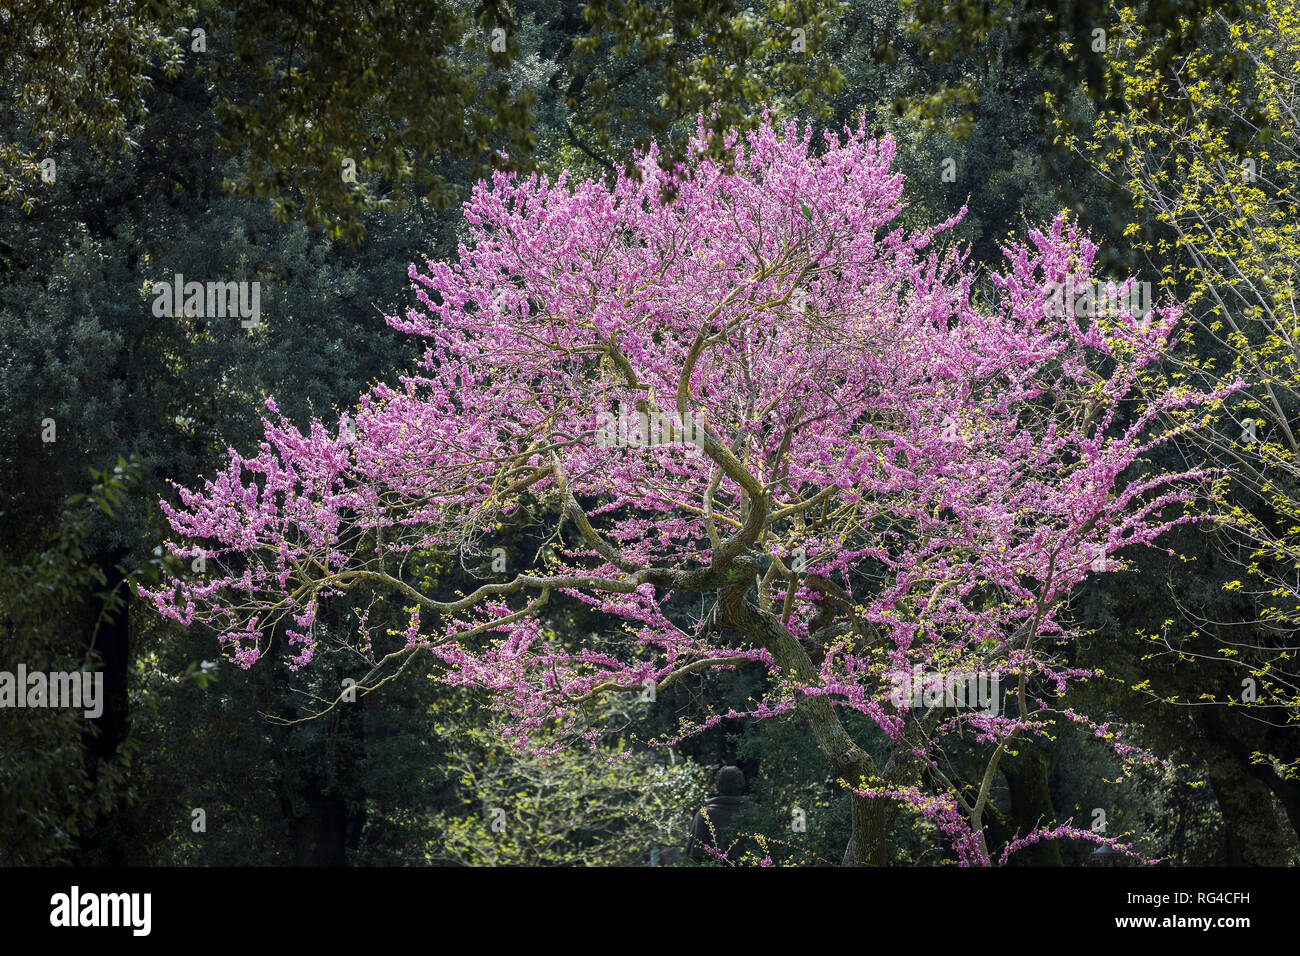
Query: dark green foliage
x=51, y=786
x=226, y=164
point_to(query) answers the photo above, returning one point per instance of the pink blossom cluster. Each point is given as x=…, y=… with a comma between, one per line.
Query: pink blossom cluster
x=904, y=461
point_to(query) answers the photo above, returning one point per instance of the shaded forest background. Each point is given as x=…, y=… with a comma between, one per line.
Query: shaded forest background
x=222, y=158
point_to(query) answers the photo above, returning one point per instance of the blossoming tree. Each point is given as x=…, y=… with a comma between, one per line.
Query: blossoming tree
x=864, y=466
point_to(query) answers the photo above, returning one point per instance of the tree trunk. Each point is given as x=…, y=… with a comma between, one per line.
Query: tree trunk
x=870, y=823
x=1231, y=750
x=1253, y=835
x=852, y=765
x=318, y=825
x=107, y=634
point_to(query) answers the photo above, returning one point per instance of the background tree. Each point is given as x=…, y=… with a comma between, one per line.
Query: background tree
x=146, y=135
x=1216, y=188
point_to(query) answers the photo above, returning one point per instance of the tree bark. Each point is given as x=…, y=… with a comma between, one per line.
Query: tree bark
x=870, y=824
x=852, y=765
x=1253, y=835
x=107, y=633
